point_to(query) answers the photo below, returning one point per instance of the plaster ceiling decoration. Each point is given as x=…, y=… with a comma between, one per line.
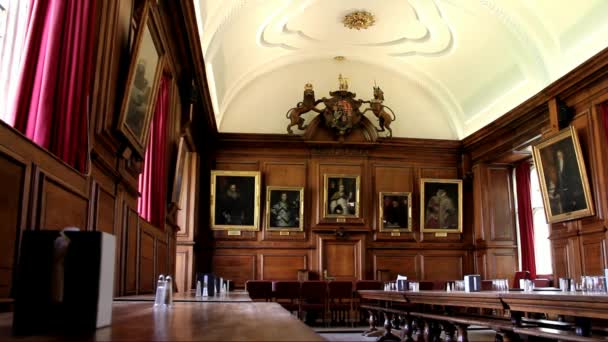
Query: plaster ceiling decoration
x=447, y=67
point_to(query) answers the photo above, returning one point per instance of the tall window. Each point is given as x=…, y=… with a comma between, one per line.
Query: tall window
x=14, y=16
x=542, y=245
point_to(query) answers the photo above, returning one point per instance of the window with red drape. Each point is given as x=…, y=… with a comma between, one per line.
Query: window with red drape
x=153, y=180
x=51, y=105
x=524, y=213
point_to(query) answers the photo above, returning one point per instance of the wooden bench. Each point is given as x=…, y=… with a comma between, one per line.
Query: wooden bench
x=450, y=324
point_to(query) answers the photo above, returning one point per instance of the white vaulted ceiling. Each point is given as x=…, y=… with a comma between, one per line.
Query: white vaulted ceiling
x=447, y=67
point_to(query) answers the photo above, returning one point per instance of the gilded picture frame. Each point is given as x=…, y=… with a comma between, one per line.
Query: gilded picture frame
x=141, y=89
x=235, y=200
x=440, y=205
x=563, y=177
x=284, y=208
x=341, y=195
x=182, y=154
x=395, y=212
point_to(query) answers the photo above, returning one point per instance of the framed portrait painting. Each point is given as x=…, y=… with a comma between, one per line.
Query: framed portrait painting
x=395, y=211
x=284, y=208
x=440, y=205
x=235, y=200
x=563, y=177
x=340, y=195
x=141, y=89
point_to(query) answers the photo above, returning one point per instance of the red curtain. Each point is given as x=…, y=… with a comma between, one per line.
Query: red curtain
x=526, y=222
x=51, y=105
x=153, y=180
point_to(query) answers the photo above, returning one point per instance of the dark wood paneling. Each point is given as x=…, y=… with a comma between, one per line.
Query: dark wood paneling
x=105, y=211
x=282, y=267
x=442, y=266
x=593, y=253
x=342, y=257
x=501, y=207
x=161, y=259
x=397, y=262
x=12, y=183
x=131, y=254
x=146, y=261
x=238, y=268
x=61, y=207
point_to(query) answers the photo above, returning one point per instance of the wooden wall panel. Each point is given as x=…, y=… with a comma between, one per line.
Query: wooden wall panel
x=449, y=173
x=397, y=262
x=442, y=266
x=593, y=253
x=161, y=259
x=501, y=207
x=105, y=213
x=282, y=267
x=131, y=254
x=147, y=277
x=238, y=268
x=343, y=258
x=12, y=183
x=61, y=206
x=183, y=268
x=504, y=261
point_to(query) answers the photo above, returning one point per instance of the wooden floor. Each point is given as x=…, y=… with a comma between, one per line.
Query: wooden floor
x=194, y=321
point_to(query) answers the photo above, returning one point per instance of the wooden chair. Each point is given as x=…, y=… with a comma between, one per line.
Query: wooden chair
x=287, y=293
x=340, y=301
x=313, y=299
x=259, y=290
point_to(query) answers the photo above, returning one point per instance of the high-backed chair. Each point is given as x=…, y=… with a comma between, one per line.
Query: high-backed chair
x=313, y=300
x=259, y=290
x=340, y=300
x=287, y=293
x=520, y=275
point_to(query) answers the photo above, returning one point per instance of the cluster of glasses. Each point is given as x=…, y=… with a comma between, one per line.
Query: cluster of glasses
x=526, y=284
x=456, y=285
x=390, y=286
x=592, y=284
x=414, y=286
x=501, y=285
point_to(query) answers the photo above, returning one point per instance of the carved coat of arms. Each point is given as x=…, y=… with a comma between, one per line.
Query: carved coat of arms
x=342, y=110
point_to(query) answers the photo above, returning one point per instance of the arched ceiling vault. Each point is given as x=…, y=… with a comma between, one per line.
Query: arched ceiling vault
x=447, y=67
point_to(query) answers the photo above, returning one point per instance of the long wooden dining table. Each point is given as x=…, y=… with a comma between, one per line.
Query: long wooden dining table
x=580, y=305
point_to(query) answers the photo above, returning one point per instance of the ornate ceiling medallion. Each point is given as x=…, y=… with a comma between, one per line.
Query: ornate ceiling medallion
x=358, y=20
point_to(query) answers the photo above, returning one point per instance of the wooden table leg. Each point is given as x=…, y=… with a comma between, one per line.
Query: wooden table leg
x=418, y=328
x=463, y=335
x=372, y=323
x=583, y=326
x=388, y=335
x=450, y=332
x=516, y=318
x=406, y=332
x=435, y=331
